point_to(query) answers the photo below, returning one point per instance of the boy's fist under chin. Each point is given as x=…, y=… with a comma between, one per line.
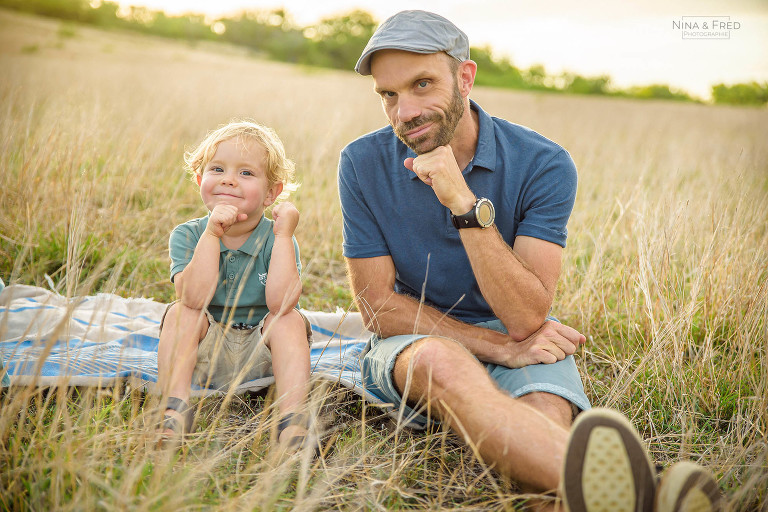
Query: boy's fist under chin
x=223, y=217
x=286, y=218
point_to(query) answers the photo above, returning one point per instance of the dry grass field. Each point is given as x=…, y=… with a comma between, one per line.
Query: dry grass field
x=666, y=273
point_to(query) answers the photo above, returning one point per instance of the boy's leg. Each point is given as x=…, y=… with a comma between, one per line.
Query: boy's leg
x=181, y=330
x=286, y=337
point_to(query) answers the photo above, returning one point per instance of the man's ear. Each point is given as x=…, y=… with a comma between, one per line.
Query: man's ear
x=273, y=193
x=466, y=76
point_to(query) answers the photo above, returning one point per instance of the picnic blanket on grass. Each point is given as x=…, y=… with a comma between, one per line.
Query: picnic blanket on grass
x=100, y=340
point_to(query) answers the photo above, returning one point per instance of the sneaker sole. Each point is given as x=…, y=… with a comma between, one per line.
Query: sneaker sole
x=607, y=468
x=688, y=487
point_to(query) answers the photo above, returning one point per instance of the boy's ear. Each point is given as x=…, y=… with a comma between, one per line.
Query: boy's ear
x=198, y=178
x=273, y=193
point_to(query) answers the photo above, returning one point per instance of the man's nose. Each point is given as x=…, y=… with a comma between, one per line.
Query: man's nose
x=407, y=109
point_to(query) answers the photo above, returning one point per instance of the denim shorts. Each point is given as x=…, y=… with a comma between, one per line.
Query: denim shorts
x=560, y=378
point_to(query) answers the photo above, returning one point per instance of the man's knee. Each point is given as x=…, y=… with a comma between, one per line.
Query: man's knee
x=555, y=407
x=431, y=363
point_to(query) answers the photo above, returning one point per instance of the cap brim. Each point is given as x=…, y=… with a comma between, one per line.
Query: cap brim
x=363, y=65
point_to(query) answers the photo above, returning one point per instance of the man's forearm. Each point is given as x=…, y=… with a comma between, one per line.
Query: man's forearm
x=401, y=314
x=515, y=293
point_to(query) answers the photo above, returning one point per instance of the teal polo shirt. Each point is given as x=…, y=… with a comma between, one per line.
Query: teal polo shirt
x=388, y=211
x=240, y=292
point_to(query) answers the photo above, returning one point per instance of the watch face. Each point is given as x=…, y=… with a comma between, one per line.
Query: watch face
x=485, y=213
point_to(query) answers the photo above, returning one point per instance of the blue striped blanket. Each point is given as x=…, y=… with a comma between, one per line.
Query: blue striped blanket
x=99, y=340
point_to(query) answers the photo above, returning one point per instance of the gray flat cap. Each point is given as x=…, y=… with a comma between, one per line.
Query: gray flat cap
x=418, y=32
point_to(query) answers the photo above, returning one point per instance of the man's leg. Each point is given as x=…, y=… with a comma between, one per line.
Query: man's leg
x=554, y=407
x=516, y=438
x=554, y=389
x=600, y=466
x=561, y=411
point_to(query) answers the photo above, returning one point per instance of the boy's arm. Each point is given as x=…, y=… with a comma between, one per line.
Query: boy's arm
x=283, y=287
x=196, y=284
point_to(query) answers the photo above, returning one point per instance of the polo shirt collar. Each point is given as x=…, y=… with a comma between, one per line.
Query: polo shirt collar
x=485, y=153
x=255, y=241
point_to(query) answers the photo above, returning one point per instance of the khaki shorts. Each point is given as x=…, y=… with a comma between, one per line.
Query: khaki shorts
x=225, y=354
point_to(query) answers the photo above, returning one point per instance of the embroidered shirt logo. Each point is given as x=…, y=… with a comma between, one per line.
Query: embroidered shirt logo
x=263, y=278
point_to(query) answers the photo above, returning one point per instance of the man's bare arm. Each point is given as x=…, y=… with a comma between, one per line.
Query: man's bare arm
x=388, y=314
x=518, y=284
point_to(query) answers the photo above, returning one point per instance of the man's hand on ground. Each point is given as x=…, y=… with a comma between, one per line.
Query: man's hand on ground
x=551, y=343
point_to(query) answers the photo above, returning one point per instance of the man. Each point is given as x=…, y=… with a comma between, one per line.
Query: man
x=454, y=225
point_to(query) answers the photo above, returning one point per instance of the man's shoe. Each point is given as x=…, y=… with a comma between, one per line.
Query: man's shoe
x=688, y=487
x=606, y=467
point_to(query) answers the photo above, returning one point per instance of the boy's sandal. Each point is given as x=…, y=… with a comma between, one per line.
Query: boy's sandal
x=606, y=466
x=297, y=442
x=171, y=422
x=688, y=487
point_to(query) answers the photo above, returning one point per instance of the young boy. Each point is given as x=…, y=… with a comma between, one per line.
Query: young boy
x=236, y=275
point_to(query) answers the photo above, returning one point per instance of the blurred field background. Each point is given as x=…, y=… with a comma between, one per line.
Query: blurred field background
x=666, y=273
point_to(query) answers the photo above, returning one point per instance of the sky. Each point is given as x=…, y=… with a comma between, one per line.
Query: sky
x=634, y=42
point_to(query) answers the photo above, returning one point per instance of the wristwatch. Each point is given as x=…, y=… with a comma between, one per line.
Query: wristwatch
x=481, y=215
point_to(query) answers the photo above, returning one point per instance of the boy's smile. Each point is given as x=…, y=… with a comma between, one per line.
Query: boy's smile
x=236, y=175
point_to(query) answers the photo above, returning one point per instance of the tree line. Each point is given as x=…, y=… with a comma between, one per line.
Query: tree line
x=336, y=42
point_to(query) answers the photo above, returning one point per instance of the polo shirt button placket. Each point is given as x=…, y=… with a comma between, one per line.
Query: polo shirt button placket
x=231, y=275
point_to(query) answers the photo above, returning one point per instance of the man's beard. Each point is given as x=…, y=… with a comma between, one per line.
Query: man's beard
x=445, y=125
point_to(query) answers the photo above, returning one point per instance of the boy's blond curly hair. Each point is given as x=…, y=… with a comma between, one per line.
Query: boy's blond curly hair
x=279, y=167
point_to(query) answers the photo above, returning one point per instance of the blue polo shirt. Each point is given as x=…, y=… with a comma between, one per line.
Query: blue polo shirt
x=388, y=211
x=241, y=290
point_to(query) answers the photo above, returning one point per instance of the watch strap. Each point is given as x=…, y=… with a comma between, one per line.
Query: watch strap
x=467, y=220
x=474, y=218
